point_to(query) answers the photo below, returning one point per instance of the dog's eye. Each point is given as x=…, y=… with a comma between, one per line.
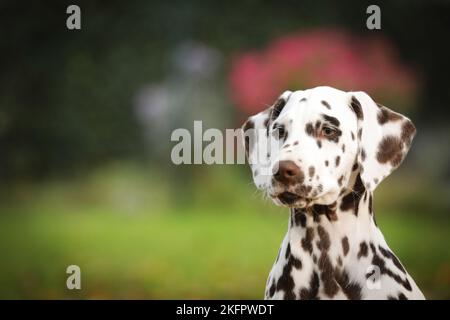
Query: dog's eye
x=279, y=132
x=328, y=131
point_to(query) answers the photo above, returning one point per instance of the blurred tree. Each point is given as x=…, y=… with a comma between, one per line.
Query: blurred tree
x=66, y=96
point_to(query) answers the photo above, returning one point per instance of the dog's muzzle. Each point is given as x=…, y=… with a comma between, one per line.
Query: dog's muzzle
x=288, y=173
x=288, y=177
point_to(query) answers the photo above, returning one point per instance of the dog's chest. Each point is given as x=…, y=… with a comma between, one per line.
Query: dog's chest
x=320, y=261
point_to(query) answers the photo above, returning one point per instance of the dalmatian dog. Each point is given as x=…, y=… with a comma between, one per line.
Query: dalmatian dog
x=321, y=152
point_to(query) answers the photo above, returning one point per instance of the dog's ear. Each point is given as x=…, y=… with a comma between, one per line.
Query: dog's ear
x=256, y=139
x=384, y=138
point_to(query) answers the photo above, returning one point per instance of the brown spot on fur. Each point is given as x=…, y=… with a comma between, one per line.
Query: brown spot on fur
x=330, y=286
x=309, y=129
x=380, y=263
x=326, y=104
x=306, y=242
x=363, y=154
x=316, y=217
x=311, y=171
x=401, y=296
x=327, y=270
x=345, y=245
x=288, y=251
x=353, y=136
x=356, y=107
x=266, y=123
x=340, y=180
x=408, y=132
x=388, y=254
x=334, y=121
x=317, y=126
x=338, y=159
x=302, y=189
x=277, y=108
x=326, y=163
x=299, y=218
x=351, y=289
x=296, y=263
x=272, y=289
x=324, y=238
x=312, y=292
x=351, y=200
x=390, y=150
x=295, y=143
x=363, y=250
x=385, y=115
x=249, y=124
x=285, y=282
x=343, y=148
x=372, y=247
x=319, y=143
x=328, y=210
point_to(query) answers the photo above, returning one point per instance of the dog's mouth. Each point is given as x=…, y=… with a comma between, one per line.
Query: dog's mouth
x=292, y=200
x=288, y=197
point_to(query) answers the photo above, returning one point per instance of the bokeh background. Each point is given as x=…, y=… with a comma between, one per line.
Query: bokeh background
x=86, y=118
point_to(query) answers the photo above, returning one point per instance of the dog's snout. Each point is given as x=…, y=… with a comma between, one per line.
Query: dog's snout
x=288, y=173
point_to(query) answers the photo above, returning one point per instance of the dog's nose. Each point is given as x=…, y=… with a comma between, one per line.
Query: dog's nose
x=288, y=172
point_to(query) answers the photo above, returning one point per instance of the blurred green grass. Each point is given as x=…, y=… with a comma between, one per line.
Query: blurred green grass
x=121, y=227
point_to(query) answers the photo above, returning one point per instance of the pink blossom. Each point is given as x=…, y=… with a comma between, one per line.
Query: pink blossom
x=318, y=57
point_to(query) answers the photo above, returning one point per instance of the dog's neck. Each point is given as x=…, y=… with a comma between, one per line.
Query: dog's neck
x=336, y=251
x=348, y=226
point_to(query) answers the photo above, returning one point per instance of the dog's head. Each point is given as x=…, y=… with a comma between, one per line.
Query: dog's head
x=308, y=146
